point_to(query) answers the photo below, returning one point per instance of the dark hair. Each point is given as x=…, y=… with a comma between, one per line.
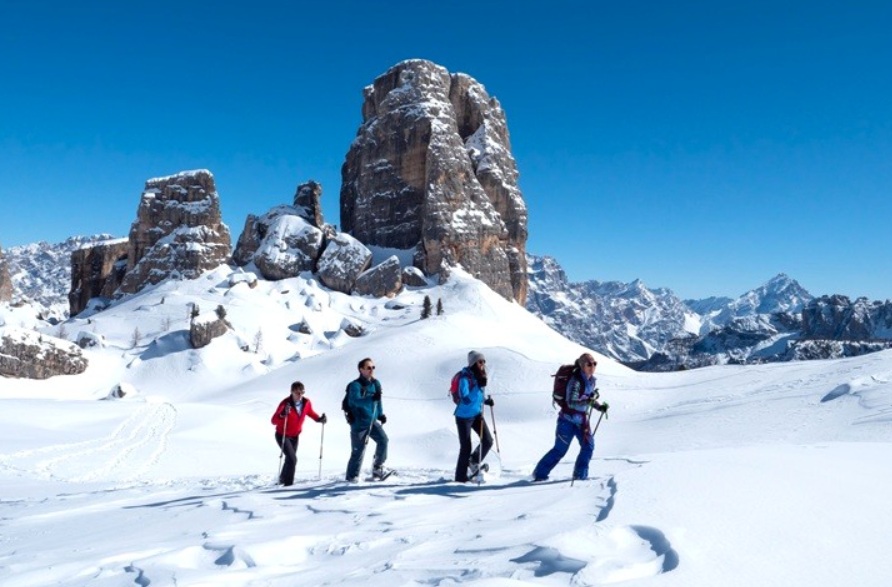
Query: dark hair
x=297, y=385
x=363, y=362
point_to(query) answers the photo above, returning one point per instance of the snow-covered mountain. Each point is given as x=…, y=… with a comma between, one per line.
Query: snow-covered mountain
x=626, y=321
x=41, y=273
x=172, y=485
x=780, y=294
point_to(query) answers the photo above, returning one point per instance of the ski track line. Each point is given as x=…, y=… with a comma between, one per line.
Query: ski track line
x=145, y=430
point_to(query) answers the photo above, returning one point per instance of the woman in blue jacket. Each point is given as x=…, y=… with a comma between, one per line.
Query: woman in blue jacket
x=469, y=416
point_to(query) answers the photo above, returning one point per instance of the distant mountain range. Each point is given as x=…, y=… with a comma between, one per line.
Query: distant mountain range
x=648, y=329
x=652, y=329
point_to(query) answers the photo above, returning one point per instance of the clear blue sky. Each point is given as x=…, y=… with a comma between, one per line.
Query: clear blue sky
x=694, y=145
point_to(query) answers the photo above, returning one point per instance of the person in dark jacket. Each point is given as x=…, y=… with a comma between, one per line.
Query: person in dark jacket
x=289, y=420
x=573, y=421
x=367, y=419
x=469, y=416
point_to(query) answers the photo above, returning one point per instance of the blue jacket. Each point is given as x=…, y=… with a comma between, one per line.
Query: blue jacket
x=472, y=395
x=579, y=392
x=365, y=410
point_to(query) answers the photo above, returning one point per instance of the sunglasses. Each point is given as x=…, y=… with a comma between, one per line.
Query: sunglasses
x=481, y=362
x=369, y=367
x=590, y=364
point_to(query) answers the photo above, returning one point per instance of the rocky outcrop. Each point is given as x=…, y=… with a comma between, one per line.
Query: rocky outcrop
x=5, y=279
x=382, y=280
x=205, y=327
x=344, y=259
x=431, y=169
x=178, y=232
x=837, y=317
x=308, y=202
x=282, y=243
x=96, y=271
x=29, y=355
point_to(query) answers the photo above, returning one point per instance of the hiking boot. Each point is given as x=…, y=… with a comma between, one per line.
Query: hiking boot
x=380, y=473
x=475, y=469
x=352, y=479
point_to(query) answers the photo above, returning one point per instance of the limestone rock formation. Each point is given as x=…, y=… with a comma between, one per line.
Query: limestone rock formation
x=431, y=169
x=207, y=326
x=836, y=317
x=5, y=279
x=382, y=280
x=343, y=260
x=28, y=355
x=282, y=243
x=307, y=200
x=96, y=271
x=178, y=232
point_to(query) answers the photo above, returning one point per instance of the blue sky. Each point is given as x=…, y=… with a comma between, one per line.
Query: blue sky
x=696, y=146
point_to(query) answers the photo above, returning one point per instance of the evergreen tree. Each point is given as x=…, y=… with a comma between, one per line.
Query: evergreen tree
x=439, y=306
x=426, y=308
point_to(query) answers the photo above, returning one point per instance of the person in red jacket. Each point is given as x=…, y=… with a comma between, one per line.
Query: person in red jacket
x=289, y=420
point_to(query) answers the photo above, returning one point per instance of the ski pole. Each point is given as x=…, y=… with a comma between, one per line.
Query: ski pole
x=321, y=444
x=480, y=449
x=284, y=435
x=369, y=431
x=495, y=430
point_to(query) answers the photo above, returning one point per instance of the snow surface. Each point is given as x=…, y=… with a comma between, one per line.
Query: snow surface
x=772, y=474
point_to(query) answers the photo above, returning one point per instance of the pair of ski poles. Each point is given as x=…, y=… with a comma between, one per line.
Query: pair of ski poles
x=284, y=436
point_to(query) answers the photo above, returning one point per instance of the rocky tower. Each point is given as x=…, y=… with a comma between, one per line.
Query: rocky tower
x=178, y=231
x=431, y=168
x=96, y=271
x=5, y=279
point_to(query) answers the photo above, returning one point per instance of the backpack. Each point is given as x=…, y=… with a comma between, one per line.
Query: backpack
x=559, y=389
x=453, y=387
x=345, y=404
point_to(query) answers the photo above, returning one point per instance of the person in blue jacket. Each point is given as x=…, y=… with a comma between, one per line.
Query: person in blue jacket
x=573, y=421
x=469, y=416
x=367, y=413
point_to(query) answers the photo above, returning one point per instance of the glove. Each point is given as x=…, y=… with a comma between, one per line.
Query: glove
x=284, y=413
x=489, y=401
x=382, y=418
x=323, y=419
x=377, y=396
x=603, y=407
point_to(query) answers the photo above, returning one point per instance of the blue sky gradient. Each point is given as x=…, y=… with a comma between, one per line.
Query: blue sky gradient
x=696, y=146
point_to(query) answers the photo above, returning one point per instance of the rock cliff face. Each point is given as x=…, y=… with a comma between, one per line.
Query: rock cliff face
x=5, y=279
x=96, y=271
x=29, y=355
x=836, y=317
x=178, y=232
x=431, y=169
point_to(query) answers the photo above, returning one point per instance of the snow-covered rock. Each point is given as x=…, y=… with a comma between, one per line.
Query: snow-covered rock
x=31, y=355
x=342, y=262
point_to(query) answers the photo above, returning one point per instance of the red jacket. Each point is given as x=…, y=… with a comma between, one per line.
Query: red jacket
x=295, y=422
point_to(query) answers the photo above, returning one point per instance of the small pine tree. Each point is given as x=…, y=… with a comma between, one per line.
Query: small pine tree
x=426, y=308
x=221, y=312
x=258, y=341
x=194, y=312
x=439, y=306
x=134, y=338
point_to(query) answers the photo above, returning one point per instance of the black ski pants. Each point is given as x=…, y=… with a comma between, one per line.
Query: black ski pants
x=466, y=456
x=289, y=449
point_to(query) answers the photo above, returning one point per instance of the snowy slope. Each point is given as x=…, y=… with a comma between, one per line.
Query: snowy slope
x=771, y=474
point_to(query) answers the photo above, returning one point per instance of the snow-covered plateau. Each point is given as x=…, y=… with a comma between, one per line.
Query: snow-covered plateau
x=773, y=474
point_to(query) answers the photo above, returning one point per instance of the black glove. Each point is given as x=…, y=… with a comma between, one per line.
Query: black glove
x=382, y=418
x=377, y=396
x=489, y=401
x=323, y=419
x=603, y=407
x=284, y=413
